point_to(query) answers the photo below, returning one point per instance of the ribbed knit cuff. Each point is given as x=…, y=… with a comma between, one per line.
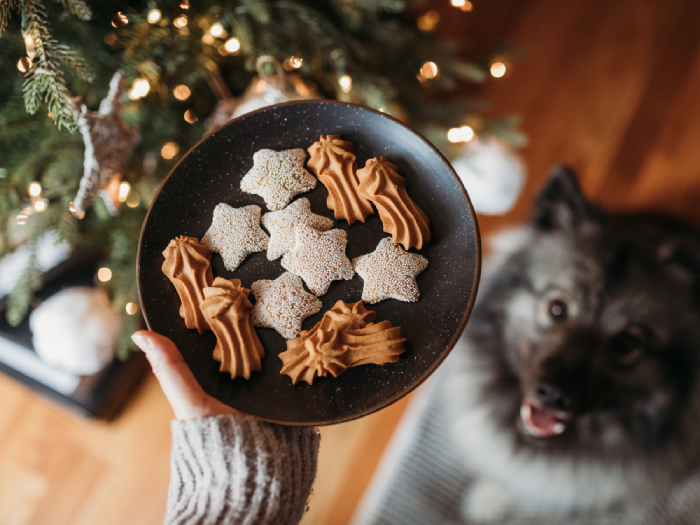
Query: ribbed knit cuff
x=236, y=469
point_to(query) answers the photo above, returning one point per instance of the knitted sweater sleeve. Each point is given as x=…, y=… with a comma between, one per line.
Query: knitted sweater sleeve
x=236, y=469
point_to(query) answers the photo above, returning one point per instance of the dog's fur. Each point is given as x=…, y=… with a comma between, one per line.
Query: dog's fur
x=619, y=367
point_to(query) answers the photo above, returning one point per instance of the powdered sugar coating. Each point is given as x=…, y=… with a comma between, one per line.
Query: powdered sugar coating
x=318, y=257
x=389, y=273
x=281, y=223
x=283, y=304
x=277, y=176
x=235, y=233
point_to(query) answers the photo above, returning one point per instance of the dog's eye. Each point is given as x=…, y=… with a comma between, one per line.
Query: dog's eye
x=558, y=310
x=628, y=346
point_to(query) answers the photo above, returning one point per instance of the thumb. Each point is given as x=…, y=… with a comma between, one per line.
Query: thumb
x=179, y=385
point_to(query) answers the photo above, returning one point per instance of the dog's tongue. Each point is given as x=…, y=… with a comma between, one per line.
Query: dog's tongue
x=540, y=421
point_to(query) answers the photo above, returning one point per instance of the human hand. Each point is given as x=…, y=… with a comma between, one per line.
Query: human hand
x=179, y=385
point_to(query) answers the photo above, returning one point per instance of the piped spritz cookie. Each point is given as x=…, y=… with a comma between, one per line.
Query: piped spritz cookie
x=319, y=257
x=389, y=273
x=281, y=223
x=235, y=233
x=277, y=176
x=283, y=304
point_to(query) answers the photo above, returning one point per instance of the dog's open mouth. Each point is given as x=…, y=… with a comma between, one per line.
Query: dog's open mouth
x=541, y=422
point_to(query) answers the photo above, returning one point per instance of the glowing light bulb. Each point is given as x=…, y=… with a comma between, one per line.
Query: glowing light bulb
x=185, y=5
x=293, y=63
x=180, y=21
x=453, y=135
x=345, y=83
x=182, y=92
x=216, y=30
x=104, y=274
x=207, y=39
x=34, y=189
x=169, y=150
x=40, y=205
x=463, y=134
x=24, y=64
x=139, y=89
x=191, y=116
x=29, y=43
x=428, y=21
x=133, y=200
x=429, y=70
x=124, y=189
x=464, y=5
x=466, y=133
x=498, y=69
x=131, y=308
x=119, y=20
x=232, y=45
x=153, y=16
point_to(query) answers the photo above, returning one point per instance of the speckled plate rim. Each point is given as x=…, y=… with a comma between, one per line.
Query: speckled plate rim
x=475, y=286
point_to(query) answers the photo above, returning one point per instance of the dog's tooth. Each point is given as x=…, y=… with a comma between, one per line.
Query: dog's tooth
x=558, y=428
x=525, y=412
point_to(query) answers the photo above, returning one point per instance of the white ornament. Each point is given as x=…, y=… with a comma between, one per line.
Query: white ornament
x=264, y=90
x=76, y=330
x=492, y=174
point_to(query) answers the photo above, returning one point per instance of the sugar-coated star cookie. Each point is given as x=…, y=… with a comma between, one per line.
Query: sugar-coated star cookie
x=389, y=273
x=277, y=176
x=235, y=233
x=318, y=257
x=281, y=223
x=283, y=304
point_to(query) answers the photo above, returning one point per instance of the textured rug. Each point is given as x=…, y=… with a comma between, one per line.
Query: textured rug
x=421, y=480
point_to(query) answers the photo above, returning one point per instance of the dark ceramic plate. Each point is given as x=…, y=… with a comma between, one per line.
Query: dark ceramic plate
x=211, y=172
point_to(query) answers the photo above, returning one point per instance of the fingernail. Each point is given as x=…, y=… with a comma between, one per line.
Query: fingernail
x=141, y=341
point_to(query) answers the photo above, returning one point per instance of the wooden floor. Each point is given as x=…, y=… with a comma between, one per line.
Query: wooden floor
x=612, y=88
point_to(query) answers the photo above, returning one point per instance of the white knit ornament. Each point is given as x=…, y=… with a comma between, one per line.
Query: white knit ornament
x=76, y=330
x=492, y=174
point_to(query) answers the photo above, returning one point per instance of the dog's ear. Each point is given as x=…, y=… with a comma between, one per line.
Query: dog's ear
x=560, y=204
x=683, y=255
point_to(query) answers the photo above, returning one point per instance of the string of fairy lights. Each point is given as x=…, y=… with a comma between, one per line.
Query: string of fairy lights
x=216, y=34
x=227, y=44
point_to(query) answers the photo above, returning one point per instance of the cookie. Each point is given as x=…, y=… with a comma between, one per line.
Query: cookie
x=227, y=310
x=235, y=233
x=281, y=223
x=277, y=176
x=401, y=217
x=318, y=258
x=333, y=162
x=389, y=272
x=283, y=304
x=345, y=337
x=188, y=266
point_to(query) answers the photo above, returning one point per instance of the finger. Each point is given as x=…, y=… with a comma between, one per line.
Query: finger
x=179, y=385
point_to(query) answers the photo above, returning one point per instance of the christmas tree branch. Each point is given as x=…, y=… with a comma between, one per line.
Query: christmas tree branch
x=6, y=7
x=77, y=7
x=44, y=81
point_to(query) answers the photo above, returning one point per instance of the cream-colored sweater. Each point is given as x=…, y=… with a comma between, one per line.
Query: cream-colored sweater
x=238, y=470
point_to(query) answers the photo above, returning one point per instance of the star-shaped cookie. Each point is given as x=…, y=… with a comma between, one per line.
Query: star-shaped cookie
x=318, y=257
x=283, y=304
x=389, y=273
x=277, y=176
x=281, y=223
x=235, y=233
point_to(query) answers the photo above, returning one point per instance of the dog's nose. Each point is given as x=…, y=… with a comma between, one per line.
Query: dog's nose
x=552, y=397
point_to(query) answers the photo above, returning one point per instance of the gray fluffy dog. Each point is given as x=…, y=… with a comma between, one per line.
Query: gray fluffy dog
x=576, y=382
